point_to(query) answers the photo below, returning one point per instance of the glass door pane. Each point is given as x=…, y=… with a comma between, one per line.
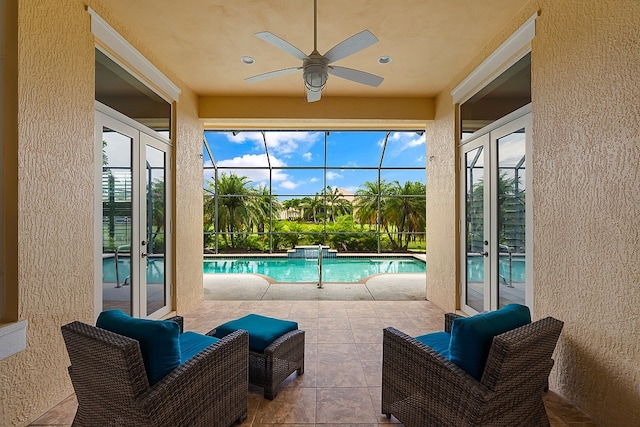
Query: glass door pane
x=156, y=204
x=476, y=244
x=117, y=220
x=511, y=215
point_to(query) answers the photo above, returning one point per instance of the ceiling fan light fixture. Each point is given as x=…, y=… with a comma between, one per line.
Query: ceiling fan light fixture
x=315, y=76
x=315, y=80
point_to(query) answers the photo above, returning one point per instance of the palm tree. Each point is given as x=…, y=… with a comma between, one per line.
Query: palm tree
x=157, y=199
x=232, y=194
x=336, y=204
x=311, y=207
x=260, y=207
x=510, y=210
x=406, y=211
x=367, y=200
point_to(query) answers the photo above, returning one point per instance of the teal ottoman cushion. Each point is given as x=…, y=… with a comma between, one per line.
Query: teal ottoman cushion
x=192, y=343
x=471, y=337
x=439, y=341
x=262, y=330
x=159, y=340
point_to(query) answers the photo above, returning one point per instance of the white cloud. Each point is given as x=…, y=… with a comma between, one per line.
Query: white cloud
x=289, y=185
x=278, y=143
x=333, y=175
x=307, y=156
x=406, y=140
x=257, y=176
x=313, y=180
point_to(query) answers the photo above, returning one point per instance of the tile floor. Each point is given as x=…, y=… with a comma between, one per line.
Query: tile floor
x=342, y=380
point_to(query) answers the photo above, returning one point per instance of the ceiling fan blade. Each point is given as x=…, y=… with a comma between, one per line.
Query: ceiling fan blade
x=351, y=45
x=356, y=76
x=272, y=74
x=313, y=96
x=282, y=44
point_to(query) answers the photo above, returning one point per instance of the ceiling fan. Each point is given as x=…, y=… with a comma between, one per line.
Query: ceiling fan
x=315, y=67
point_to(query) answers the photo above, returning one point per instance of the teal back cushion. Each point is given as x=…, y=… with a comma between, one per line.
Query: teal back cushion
x=471, y=337
x=159, y=340
x=262, y=330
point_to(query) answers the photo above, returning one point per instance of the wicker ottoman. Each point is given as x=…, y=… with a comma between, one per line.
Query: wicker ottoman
x=276, y=349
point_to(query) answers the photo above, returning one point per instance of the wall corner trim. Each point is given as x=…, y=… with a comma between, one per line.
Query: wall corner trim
x=111, y=38
x=510, y=51
x=13, y=338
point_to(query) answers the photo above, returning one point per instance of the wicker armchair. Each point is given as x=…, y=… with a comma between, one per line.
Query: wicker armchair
x=422, y=388
x=112, y=388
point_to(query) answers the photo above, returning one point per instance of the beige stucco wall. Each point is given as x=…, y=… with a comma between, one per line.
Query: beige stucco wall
x=586, y=189
x=586, y=86
x=441, y=215
x=54, y=250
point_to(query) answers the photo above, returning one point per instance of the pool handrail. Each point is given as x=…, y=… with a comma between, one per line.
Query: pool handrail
x=320, y=285
x=118, y=249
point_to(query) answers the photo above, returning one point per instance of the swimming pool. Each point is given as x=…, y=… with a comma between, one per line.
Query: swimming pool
x=340, y=269
x=334, y=270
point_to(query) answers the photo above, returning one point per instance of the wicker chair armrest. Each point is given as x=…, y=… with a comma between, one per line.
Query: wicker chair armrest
x=194, y=389
x=410, y=368
x=179, y=320
x=448, y=320
x=281, y=344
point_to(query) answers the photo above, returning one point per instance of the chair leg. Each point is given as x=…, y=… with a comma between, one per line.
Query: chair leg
x=270, y=393
x=242, y=418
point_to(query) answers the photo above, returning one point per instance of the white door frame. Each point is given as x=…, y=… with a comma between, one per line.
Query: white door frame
x=141, y=138
x=487, y=138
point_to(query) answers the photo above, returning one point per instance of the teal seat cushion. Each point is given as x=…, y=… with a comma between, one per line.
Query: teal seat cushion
x=438, y=341
x=471, y=337
x=262, y=330
x=192, y=343
x=158, y=339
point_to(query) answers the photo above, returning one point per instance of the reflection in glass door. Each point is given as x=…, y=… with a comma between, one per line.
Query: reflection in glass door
x=134, y=234
x=496, y=256
x=117, y=219
x=156, y=226
x=476, y=251
x=510, y=216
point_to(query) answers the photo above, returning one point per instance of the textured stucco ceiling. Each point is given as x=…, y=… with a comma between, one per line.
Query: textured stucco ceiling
x=202, y=41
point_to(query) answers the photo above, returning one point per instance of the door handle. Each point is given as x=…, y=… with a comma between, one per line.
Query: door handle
x=485, y=254
x=143, y=254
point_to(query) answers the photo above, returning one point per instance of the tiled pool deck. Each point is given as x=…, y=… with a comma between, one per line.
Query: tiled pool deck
x=343, y=351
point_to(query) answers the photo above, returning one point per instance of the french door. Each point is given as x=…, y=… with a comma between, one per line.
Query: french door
x=496, y=267
x=133, y=211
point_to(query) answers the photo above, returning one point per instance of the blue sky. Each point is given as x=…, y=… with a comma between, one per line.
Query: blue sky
x=345, y=149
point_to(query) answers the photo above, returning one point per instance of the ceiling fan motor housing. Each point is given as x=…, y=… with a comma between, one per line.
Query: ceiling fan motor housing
x=315, y=71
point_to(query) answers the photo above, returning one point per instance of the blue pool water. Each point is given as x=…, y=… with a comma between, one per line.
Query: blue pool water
x=155, y=269
x=294, y=270
x=475, y=269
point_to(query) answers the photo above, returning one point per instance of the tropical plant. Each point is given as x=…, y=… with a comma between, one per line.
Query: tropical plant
x=367, y=201
x=406, y=211
x=156, y=227
x=400, y=210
